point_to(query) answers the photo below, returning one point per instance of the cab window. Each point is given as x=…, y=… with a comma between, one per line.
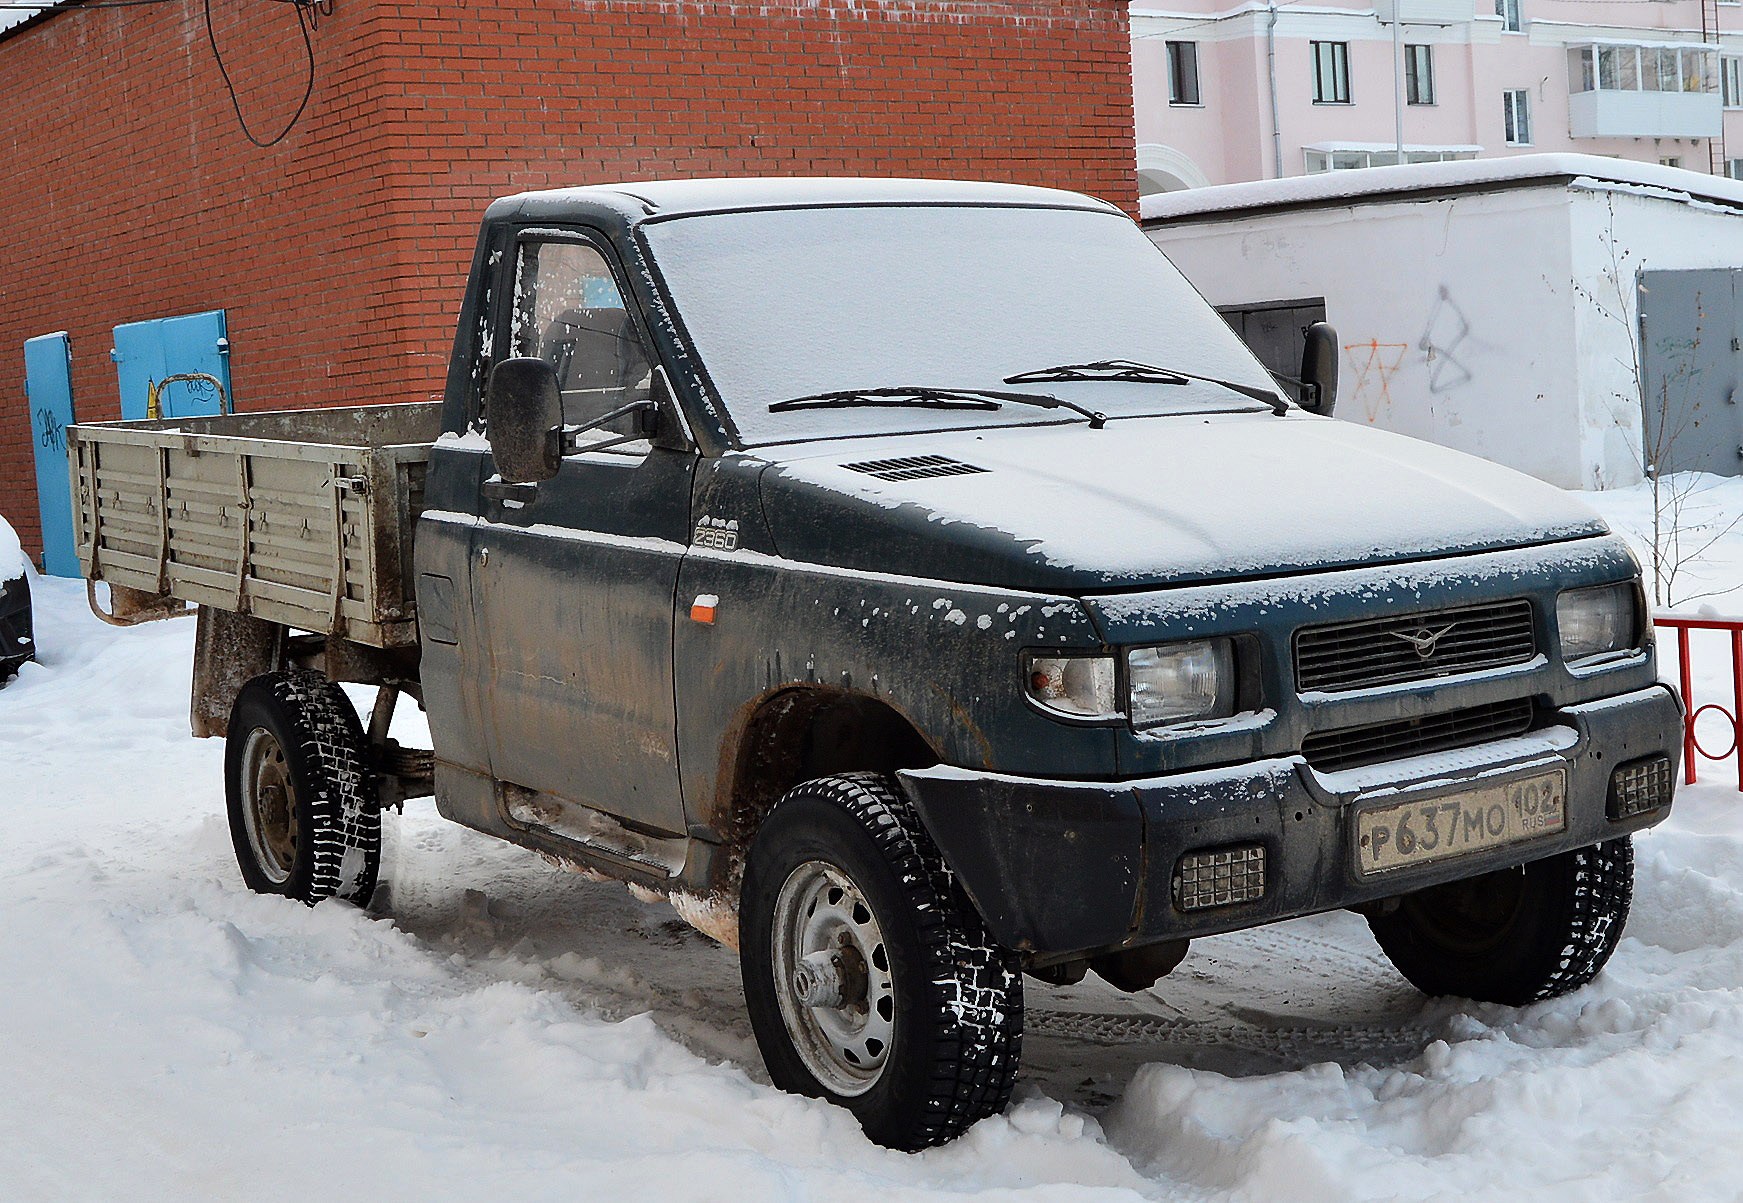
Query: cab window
x=569, y=311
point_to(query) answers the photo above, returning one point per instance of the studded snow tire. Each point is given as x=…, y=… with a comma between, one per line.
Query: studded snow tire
x=304, y=817
x=958, y=997
x=1517, y=936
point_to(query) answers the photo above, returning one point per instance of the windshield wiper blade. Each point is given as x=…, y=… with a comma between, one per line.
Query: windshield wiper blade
x=1143, y=373
x=931, y=397
x=1099, y=369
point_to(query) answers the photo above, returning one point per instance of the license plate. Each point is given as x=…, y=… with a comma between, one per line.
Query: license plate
x=1489, y=816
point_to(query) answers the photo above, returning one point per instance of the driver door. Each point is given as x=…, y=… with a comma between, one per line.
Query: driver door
x=575, y=586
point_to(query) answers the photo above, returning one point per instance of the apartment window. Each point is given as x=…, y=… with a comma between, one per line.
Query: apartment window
x=1508, y=11
x=1734, y=169
x=1731, y=81
x=1419, y=74
x=1183, y=73
x=1517, y=102
x=1331, y=72
x=1671, y=161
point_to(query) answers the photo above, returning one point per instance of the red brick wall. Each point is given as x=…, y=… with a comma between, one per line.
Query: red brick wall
x=340, y=253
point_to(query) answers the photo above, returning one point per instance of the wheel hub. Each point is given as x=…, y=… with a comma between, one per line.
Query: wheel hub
x=831, y=978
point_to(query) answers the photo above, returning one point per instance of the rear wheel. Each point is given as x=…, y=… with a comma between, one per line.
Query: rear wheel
x=1516, y=936
x=868, y=975
x=304, y=818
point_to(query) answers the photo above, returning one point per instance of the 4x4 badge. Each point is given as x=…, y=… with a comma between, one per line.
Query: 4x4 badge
x=1424, y=640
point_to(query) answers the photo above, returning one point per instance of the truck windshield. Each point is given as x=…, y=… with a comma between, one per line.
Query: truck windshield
x=789, y=303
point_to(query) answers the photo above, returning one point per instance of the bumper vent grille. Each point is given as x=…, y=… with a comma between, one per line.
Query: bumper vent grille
x=913, y=467
x=1413, y=647
x=1354, y=747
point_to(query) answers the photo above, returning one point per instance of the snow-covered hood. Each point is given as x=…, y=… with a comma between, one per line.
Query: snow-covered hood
x=1154, y=501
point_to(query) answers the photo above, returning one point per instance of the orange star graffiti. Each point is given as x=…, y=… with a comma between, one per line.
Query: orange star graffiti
x=1374, y=364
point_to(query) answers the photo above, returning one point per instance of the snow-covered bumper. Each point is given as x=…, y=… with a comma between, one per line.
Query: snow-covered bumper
x=16, y=637
x=1059, y=867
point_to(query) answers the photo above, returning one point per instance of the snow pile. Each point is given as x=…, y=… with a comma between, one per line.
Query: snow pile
x=12, y=560
x=515, y=1031
x=1703, y=513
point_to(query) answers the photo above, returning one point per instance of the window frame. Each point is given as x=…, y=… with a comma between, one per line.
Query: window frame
x=1331, y=65
x=1512, y=15
x=1731, y=81
x=1418, y=71
x=1516, y=109
x=1183, y=53
x=506, y=305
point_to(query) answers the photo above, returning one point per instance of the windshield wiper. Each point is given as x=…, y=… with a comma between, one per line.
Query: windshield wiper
x=1142, y=373
x=928, y=397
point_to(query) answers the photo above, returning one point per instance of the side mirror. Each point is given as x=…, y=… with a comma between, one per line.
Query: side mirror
x=523, y=406
x=1319, y=369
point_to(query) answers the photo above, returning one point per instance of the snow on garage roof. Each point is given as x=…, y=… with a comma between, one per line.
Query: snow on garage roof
x=1427, y=179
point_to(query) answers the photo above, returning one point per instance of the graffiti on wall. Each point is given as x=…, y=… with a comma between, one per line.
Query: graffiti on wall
x=51, y=432
x=1447, y=330
x=1373, y=364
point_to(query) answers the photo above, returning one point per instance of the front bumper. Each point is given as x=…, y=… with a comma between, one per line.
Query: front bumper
x=1059, y=867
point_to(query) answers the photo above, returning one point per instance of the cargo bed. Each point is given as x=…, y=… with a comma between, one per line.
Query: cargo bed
x=299, y=517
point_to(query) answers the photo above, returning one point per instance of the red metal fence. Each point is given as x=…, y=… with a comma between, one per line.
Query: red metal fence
x=1691, y=746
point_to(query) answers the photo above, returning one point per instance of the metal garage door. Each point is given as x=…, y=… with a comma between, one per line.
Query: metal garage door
x=1691, y=356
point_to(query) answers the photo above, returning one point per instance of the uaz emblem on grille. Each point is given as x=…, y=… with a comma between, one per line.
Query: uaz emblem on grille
x=1423, y=640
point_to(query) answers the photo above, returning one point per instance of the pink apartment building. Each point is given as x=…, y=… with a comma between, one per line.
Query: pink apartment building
x=1229, y=92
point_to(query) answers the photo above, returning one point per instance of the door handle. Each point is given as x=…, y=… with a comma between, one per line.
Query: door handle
x=504, y=490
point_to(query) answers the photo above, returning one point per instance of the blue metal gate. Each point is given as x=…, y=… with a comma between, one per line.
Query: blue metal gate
x=146, y=352
x=48, y=385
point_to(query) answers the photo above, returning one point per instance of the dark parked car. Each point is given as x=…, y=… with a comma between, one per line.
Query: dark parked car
x=17, y=637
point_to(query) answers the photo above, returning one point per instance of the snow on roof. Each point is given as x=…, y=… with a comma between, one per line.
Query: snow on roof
x=1335, y=187
x=680, y=196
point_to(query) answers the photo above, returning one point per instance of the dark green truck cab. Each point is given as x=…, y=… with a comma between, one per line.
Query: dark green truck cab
x=922, y=586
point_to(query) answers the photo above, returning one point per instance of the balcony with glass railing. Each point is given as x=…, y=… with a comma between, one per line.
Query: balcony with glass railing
x=1643, y=90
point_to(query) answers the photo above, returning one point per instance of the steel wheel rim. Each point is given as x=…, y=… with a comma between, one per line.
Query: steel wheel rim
x=820, y=915
x=269, y=806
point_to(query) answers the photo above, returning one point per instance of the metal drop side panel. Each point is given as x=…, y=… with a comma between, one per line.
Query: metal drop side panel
x=295, y=518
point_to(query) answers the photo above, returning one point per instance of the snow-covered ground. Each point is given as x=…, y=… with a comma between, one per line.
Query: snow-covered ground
x=507, y=1030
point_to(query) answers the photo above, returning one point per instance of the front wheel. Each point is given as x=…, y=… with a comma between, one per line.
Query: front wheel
x=304, y=816
x=1516, y=936
x=869, y=977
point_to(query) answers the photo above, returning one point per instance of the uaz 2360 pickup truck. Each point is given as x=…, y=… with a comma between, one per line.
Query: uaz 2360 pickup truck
x=923, y=587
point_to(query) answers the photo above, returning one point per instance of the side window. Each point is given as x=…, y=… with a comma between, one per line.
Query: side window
x=569, y=312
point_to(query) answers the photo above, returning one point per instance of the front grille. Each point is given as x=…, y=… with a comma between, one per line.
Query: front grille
x=1384, y=651
x=1353, y=747
x=913, y=467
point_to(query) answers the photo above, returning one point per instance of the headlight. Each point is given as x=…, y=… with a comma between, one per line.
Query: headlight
x=1179, y=682
x=1074, y=686
x=1595, y=621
